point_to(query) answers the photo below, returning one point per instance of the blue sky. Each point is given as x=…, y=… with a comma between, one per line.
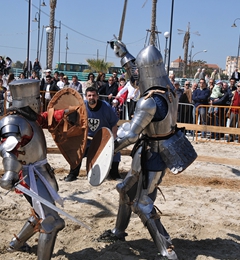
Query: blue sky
x=90, y=24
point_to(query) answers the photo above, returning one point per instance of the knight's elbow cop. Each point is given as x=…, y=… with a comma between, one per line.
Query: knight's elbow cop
x=10, y=177
x=128, y=139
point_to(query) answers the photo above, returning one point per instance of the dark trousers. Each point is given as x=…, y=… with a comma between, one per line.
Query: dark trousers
x=131, y=108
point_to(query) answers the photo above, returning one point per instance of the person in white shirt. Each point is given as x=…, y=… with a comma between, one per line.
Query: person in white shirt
x=132, y=97
x=60, y=83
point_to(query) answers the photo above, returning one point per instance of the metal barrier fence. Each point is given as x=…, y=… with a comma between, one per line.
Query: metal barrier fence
x=218, y=123
x=204, y=123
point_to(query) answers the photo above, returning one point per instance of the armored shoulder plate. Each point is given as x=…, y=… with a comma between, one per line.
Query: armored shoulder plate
x=20, y=127
x=167, y=125
x=15, y=124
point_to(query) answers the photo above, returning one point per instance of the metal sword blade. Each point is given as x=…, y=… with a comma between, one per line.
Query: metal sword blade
x=49, y=204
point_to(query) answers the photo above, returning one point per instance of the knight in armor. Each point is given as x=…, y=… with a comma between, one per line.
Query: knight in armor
x=26, y=159
x=159, y=144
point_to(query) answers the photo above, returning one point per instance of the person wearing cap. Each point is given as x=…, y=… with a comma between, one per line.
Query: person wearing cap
x=65, y=81
x=217, y=90
x=186, y=104
x=178, y=90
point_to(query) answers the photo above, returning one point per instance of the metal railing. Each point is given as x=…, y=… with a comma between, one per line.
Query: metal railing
x=218, y=123
x=205, y=123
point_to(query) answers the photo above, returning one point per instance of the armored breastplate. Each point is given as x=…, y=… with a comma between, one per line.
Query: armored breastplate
x=36, y=149
x=167, y=125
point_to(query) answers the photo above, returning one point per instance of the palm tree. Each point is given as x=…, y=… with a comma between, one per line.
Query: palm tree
x=53, y=4
x=185, y=47
x=99, y=65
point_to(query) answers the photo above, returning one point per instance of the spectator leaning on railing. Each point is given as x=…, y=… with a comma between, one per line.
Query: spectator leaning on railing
x=200, y=97
x=110, y=89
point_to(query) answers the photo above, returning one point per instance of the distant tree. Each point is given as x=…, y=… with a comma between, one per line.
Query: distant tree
x=194, y=66
x=99, y=65
x=224, y=76
x=18, y=64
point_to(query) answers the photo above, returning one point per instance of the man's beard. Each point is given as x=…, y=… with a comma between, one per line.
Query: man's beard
x=92, y=102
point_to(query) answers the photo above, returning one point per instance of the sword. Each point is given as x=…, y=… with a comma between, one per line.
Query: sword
x=49, y=204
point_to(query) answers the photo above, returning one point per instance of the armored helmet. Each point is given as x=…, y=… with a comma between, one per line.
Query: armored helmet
x=151, y=71
x=26, y=92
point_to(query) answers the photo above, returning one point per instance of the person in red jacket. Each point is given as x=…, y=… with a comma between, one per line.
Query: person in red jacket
x=234, y=112
x=123, y=97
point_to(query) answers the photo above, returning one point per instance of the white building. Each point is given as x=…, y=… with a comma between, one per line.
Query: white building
x=231, y=65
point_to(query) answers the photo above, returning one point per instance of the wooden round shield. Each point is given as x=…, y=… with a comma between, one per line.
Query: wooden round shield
x=100, y=156
x=71, y=138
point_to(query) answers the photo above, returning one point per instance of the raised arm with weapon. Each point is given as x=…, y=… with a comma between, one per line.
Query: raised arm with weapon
x=159, y=144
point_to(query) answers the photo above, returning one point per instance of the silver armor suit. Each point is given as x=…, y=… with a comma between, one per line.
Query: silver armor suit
x=152, y=128
x=27, y=158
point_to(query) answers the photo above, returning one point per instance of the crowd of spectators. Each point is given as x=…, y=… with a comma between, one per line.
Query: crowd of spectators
x=214, y=102
x=204, y=95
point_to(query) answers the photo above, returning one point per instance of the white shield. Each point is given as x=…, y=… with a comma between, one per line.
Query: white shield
x=100, y=156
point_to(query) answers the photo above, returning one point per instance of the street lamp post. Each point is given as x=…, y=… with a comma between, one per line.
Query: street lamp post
x=37, y=19
x=234, y=25
x=196, y=54
x=28, y=38
x=190, y=59
x=66, y=51
x=166, y=35
x=170, y=38
x=49, y=30
x=106, y=51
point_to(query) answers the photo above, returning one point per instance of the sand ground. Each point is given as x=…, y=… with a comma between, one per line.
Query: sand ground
x=201, y=213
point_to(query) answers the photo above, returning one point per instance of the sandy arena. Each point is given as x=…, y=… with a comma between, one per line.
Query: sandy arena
x=201, y=213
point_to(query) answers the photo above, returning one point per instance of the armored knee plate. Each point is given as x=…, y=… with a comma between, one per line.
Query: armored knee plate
x=29, y=229
x=47, y=237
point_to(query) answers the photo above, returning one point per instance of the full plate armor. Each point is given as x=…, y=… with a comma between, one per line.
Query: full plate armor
x=27, y=159
x=158, y=145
